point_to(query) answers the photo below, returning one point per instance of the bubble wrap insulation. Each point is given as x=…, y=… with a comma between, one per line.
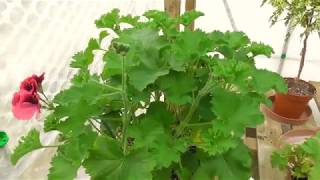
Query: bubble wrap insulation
x=42, y=35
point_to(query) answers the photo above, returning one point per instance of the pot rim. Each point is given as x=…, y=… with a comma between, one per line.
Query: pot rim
x=309, y=84
x=310, y=132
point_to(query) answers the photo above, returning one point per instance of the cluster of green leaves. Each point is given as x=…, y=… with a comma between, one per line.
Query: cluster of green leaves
x=303, y=161
x=305, y=13
x=168, y=104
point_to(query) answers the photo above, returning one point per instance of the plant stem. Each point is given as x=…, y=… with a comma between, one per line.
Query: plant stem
x=111, y=94
x=111, y=87
x=44, y=95
x=199, y=124
x=303, y=54
x=125, y=119
x=50, y=146
x=49, y=105
x=304, y=49
x=193, y=108
x=204, y=91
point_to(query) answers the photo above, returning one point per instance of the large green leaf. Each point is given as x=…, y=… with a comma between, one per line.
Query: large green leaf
x=315, y=172
x=177, y=87
x=140, y=76
x=112, y=20
x=188, y=48
x=245, y=111
x=27, y=144
x=260, y=49
x=76, y=105
x=91, y=91
x=145, y=44
x=229, y=43
x=150, y=132
x=214, y=141
x=270, y=81
x=72, y=117
x=161, y=19
x=84, y=58
x=234, y=164
x=62, y=168
x=107, y=161
x=189, y=16
x=166, y=150
x=108, y=20
x=158, y=111
x=146, y=132
x=69, y=156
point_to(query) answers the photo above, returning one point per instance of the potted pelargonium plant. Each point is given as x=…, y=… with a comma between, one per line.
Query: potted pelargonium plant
x=305, y=14
x=301, y=160
x=168, y=104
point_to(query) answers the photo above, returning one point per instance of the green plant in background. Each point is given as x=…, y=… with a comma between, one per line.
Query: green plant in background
x=4, y=138
x=303, y=13
x=168, y=104
x=303, y=161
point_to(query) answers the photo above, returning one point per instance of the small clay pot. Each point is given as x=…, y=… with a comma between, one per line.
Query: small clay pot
x=292, y=105
x=269, y=111
x=297, y=136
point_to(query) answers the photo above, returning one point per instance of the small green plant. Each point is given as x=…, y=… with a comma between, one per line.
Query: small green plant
x=168, y=104
x=302, y=161
x=303, y=13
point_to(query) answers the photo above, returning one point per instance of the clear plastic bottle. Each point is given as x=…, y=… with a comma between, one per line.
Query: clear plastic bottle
x=5, y=164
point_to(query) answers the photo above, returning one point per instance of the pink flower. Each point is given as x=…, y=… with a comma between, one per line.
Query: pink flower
x=32, y=84
x=25, y=105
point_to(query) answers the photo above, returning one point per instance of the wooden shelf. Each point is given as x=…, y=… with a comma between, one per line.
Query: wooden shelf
x=265, y=142
x=317, y=96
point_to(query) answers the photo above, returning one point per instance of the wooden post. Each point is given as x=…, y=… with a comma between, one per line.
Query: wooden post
x=190, y=5
x=173, y=8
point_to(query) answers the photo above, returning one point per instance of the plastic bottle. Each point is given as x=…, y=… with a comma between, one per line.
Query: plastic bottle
x=5, y=165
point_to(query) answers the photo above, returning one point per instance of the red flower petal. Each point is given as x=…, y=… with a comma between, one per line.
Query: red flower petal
x=25, y=105
x=30, y=85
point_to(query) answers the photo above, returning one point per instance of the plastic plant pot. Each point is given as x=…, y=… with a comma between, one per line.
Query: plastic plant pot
x=292, y=105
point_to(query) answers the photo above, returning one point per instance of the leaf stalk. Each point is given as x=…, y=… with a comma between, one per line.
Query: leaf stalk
x=125, y=118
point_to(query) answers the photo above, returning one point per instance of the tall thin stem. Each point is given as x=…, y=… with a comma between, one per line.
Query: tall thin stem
x=304, y=49
x=125, y=119
x=303, y=54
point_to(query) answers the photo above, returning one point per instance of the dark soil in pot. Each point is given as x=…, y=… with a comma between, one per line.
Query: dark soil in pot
x=295, y=101
x=297, y=87
x=296, y=178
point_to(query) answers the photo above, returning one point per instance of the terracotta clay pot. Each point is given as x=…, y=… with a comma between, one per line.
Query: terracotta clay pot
x=292, y=106
x=297, y=136
x=269, y=111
